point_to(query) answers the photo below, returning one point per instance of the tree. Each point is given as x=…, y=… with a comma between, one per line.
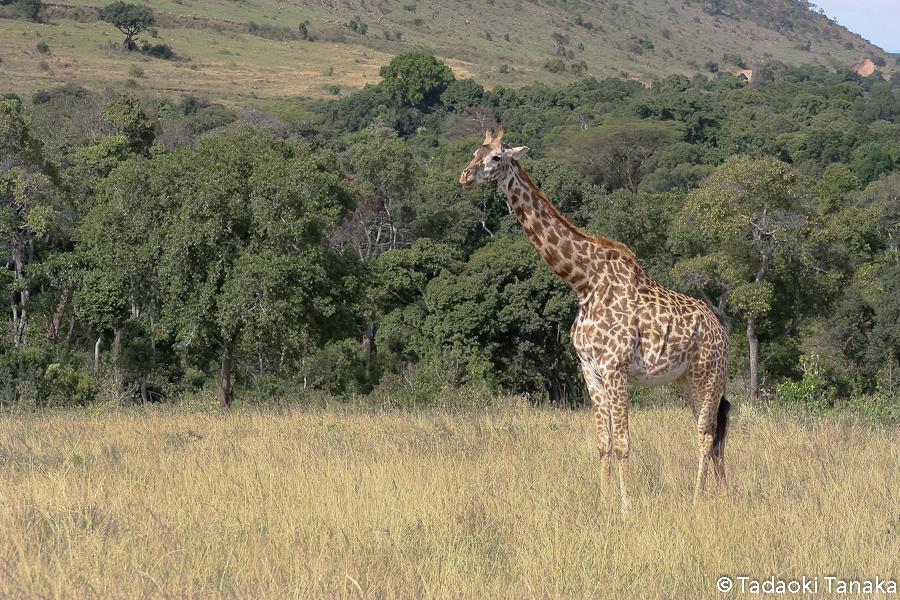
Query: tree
x=237, y=225
x=127, y=117
x=504, y=307
x=617, y=149
x=461, y=94
x=130, y=19
x=754, y=228
x=387, y=173
x=30, y=206
x=415, y=78
x=875, y=162
x=31, y=8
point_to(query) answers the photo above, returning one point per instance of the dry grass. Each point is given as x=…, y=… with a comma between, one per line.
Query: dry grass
x=500, y=503
x=234, y=69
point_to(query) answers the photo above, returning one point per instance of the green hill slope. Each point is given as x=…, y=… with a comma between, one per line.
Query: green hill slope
x=238, y=51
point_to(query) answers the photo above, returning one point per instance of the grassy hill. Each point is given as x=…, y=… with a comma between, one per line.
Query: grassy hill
x=240, y=51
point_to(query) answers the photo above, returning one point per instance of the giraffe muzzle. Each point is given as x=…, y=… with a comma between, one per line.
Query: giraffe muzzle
x=467, y=181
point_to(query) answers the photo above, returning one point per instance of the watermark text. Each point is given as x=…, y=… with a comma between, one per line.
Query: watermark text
x=806, y=585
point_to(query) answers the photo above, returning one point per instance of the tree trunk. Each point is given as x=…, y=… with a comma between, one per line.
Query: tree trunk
x=754, y=357
x=369, y=343
x=97, y=354
x=53, y=331
x=153, y=330
x=117, y=342
x=144, y=398
x=225, y=396
x=70, y=339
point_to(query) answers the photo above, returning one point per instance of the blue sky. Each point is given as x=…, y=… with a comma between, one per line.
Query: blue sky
x=875, y=20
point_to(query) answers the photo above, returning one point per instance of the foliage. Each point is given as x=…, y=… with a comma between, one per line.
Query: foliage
x=329, y=246
x=130, y=19
x=30, y=9
x=462, y=93
x=28, y=377
x=415, y=78
x=813, y=388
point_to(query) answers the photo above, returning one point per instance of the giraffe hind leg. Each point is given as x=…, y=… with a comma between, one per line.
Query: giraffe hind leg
x=712, y=447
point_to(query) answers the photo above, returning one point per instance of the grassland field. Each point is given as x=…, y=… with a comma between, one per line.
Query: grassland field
x=498, y=502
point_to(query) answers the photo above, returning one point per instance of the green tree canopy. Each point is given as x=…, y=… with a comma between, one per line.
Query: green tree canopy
x=130, y=19
x=617, y=150
x=415, y=78
x=752, y=222
x=31, y=8
x=462, y=93
x=238, y=224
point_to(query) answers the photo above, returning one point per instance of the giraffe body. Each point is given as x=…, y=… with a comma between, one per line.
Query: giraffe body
x=629, y=329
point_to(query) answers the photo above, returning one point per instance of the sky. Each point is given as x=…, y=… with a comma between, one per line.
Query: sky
x=875, y=20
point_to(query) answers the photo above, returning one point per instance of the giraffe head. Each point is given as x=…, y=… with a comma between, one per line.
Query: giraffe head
x=491, y=161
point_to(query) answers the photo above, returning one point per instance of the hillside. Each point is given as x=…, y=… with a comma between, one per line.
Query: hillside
x=237, y=52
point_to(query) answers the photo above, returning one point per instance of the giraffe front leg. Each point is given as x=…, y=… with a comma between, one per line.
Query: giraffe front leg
x=617, y=392
x=604, y=428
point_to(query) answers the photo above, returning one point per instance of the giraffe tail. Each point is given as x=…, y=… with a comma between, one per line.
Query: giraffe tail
x=721, y=426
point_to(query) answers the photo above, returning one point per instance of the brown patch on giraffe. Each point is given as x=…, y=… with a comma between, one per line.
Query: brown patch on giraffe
x=552, y=257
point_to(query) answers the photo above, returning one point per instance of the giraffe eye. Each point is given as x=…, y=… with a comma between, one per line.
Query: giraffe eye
x=495, y=157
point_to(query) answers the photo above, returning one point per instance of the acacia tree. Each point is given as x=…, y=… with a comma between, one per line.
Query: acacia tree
x=753, y=232
x=618, y=149
x=130, y=19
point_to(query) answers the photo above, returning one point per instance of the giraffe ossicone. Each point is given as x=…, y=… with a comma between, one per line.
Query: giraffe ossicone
x=629, y=329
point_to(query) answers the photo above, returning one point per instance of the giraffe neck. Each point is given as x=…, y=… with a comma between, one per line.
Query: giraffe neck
x=559, y=243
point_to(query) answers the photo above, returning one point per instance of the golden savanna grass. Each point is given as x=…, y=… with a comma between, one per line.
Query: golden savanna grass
x=227, y=67
x=494, y=503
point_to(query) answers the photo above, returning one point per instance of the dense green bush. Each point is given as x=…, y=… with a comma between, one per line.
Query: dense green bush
x=29, y=378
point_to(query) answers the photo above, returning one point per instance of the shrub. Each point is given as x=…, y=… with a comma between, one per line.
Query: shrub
x=43, y=48
x=136, y=71
x=162, y=51
x=813, y=388
x=555, y=65
x=28, y=377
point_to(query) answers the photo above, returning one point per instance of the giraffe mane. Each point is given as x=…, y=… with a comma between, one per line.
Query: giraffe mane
x=614, y=245
x=602, y=241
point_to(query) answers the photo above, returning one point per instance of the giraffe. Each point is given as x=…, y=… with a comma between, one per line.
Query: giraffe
x=629, y=329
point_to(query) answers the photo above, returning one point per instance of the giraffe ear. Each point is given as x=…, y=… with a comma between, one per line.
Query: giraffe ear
x=517, y=153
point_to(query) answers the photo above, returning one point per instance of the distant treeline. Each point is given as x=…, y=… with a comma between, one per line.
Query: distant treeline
x=163, y=247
